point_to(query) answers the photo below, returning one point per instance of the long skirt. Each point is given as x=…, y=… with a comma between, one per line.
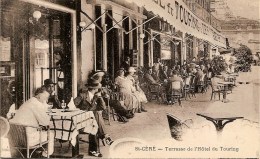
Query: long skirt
x=130, y=100
x=141, y=96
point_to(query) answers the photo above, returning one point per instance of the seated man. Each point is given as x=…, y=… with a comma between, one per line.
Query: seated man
x=148, y=76
x=174, y=78
x=90, y=99
x=122, y=111
x=49, y=84
x=33, y=113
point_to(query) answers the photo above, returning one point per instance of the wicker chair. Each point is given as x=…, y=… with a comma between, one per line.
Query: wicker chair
x=202, y=84
x=217, y=91
x=19, y=140
x=175, y=91
x=187, y=86
x=192, y=86
x=155, y=92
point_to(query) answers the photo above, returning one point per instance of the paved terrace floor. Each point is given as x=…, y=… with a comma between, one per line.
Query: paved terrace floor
x=238, y=139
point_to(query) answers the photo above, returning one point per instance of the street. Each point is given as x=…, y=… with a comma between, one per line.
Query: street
x=239, y=138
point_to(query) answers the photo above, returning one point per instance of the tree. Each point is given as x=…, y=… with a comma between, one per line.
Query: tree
x=244, y=58
x=218, y=64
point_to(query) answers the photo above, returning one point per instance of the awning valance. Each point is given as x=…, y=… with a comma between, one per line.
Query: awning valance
x=178, y=14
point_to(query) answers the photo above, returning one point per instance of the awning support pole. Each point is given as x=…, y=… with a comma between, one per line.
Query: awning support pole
x=141, y=24
x=93, y=21
x=117, y=23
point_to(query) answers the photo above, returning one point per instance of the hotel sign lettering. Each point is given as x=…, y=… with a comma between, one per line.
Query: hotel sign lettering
x=178, y=14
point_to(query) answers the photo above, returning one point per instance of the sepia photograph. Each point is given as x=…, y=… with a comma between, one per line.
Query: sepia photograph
x=130, y=79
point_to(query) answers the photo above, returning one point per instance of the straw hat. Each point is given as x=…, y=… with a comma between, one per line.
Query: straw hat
x=98, y=74
x=131, y=69
x=92, y=83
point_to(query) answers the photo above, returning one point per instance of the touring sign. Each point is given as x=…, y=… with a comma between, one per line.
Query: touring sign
x=182, y=18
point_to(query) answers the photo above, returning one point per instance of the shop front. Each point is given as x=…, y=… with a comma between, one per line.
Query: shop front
x=38, y=42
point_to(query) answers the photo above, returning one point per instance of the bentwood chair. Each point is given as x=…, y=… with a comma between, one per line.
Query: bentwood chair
x=19, y=140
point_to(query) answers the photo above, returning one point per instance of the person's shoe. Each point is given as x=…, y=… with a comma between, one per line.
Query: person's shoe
x=108, y=140
x=143, y=110
x=123, y=119
x=128, y=116
x=95, y=154
x=139, y=111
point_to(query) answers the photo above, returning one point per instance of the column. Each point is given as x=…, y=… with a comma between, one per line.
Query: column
x=195, y=47
x=104, y=42
x=184, y=48
x=210, y=51
x=104, y=47
x=151, y=53
x=141, y=46
x=130, y=34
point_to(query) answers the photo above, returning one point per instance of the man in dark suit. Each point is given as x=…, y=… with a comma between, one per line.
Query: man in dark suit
x=90, y=99
x=126, y=64
x=49, y=84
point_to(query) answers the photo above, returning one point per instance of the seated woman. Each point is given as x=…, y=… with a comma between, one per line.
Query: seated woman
x=138, y=92
x=125, y=87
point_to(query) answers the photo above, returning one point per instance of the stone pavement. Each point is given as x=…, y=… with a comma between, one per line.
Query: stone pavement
x=238, y=139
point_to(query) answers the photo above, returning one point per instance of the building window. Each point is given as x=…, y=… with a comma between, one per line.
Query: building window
x=40, y=59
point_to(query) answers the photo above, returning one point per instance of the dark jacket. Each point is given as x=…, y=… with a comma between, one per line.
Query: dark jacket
x=55, y=100
x=82, y=101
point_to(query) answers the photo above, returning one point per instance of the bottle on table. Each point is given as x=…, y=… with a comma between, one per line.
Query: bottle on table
x=63, y=105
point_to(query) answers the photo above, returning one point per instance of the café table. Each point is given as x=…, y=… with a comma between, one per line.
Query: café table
x=225, y=84
x=66, y=124
x=219, y=119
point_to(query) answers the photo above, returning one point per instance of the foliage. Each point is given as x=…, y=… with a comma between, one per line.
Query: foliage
x=218, y=64
x=244, y=58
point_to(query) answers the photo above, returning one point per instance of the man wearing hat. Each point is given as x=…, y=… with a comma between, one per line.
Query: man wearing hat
x=126, y=64
x=49, y=84
x=90, y=99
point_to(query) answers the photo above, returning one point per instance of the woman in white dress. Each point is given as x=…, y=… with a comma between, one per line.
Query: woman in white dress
x=125, y=87
x=138, y=92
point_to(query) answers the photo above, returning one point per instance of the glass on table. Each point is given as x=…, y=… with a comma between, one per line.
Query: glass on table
x=50, y=106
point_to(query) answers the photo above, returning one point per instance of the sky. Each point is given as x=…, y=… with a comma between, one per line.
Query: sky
x=245, y=8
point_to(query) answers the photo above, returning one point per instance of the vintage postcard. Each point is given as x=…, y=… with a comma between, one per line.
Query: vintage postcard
x=130, y=78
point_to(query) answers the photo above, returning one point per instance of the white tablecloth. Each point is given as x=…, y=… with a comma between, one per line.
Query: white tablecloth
x=66, y=124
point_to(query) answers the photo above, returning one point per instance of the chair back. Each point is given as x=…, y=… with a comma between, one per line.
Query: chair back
x=193, y=78
x=4, y=126
x=209, y=75
x=202, y=78
x=188, y=80
x=154, y=88
x=176, y=85
x=17, y=135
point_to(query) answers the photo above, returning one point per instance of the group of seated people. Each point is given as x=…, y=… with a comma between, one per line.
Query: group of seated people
x=34, y=113
x=93, y=97
x=163, y=75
